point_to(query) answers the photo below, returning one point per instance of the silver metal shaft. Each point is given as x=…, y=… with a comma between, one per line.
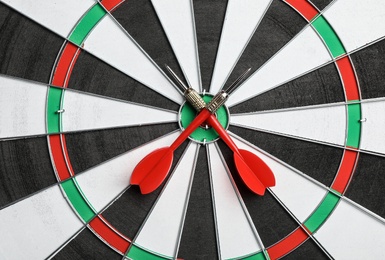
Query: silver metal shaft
x=237, y=82
x=196, y=100
x=181, y=85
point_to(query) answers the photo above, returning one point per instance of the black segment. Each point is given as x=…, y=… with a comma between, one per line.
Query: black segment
x=322, y=86
x=369, y=64
x=321, y=4
x=140, y=20
x=130, y=210
x=27, y=50
x=318, y=161
x=127, y=214
x=209, y=16
x=198, y=237
x=308, y=250
x=279, y=25
x=87, y=149
x=25, y=168
x=92, y=75
x=367, y=186
x=271, y=220
x=87, y=245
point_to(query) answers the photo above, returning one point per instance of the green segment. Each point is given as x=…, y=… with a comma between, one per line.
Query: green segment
x=322, y=212
x=188, y=114
x=354, y=125
x=86, y=24
x=329, y=36
x=77, y=200
x=139, y=253
x=53, y=118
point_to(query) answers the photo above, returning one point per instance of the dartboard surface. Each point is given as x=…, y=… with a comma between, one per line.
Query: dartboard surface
x=85, y=96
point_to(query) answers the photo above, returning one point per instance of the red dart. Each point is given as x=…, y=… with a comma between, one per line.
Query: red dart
x=254, y=172
x=153, y=169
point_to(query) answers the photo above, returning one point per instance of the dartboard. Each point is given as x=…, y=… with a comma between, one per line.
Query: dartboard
x=85, y=96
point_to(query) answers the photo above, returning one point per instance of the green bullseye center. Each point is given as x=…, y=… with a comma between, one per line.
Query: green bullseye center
x=202, y=134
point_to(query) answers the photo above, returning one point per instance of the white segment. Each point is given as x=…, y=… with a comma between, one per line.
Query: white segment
x=59, y=16
x=37, y=226
x=85, y=112
x=356, y=22
x=326, y=124
x=113, y=45
x=300, y=195
x=22, y=106
x=161, y=231
x=234, y=230
x=103, y=183
x=178, y=22
x=242, y=19
x=372, y=135
x=304, y=53
x=351, y=233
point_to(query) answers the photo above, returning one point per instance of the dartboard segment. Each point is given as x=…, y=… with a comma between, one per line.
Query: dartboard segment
x=334, y=45
x=313, y=222
x=325, y=124
x=107, y=41
x=240, y=23
x=25, y=168
x=354, y=237
x=101, y=113
x=88, y=74
x=208, y=34
x=141, y=21
x=372, y=126
x=231, y=217
x=198, y=238
x=161, y=231
x=22, y=104
x=322, y=86
x=303, y=54
x=49, y=220
x=320, y=4
x=26, y=49
x=62, y=15
x=92, y=247
x=368, y=173
x=356, y=23
x=300, y=201
x=305, y=214
x=180, y=30
x=85, y=147
x=368, y=68
x=277, y=27
x=100, y=184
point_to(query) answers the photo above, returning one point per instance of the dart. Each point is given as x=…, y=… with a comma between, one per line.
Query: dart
x=153, y=169
x=254, y=172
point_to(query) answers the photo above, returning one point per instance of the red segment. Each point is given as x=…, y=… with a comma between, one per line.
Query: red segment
x=111, y=4
x=346, y=171
x=105, y=231
x=287, y=244
x=304, y=7
x=59, y=157
x=65, y=65
x=349, y=78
